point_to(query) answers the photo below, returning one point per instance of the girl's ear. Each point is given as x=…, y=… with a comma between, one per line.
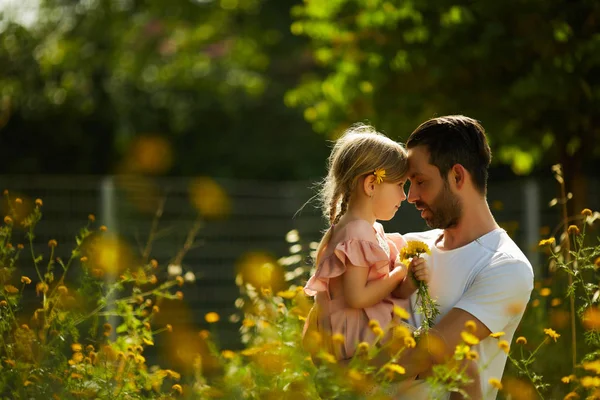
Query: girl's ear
x=369, y=184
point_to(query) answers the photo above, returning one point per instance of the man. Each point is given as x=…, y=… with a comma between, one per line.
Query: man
x=477, y=272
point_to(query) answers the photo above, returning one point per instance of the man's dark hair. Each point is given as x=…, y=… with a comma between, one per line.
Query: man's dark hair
x=455, y=139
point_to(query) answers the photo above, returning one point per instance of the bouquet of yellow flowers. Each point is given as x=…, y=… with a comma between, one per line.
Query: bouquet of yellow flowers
x=425, y=304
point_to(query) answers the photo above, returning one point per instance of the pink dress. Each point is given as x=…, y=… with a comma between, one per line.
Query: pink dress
x=363, y=245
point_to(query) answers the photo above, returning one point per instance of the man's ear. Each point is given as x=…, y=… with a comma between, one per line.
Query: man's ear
x=458, y=176
x=369, y=185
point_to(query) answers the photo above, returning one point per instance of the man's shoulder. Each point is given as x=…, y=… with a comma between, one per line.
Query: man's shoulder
x=506, y=251
x=425, y=236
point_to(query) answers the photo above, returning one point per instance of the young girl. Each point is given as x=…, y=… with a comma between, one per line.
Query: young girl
x=357, y=279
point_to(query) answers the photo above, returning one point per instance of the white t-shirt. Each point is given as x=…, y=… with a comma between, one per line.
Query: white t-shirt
x=491, y=279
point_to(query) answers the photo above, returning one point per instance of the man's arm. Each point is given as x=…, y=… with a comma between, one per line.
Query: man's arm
x=439, y=344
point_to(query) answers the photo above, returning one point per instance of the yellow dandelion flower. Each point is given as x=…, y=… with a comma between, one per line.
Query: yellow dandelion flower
x=555, y=302
x=469, y=338
x=497, y=334
x=204, y=334
x=409, y=342
x=586, y=212
x=27, y=382
x=212, y=317
x=401, y=312
x=52, y=243
x=180, y=280
x=287, y=294
x=552, y=333
x=414, y=248
x=169, y=328
x=338, y=338
x=26, y=280
x=75, y=375
x=355, y=375
x=461, y=350
x=398, y=369
x=76, y=347
x=495, y=383
x=248, y=323
x=20, y=246
x=107, y=327
x=379, y=175
x=568, y=379
x=10, y=289
x=39, y=202
x=504, y=345
x=8, y=220
x=179, y=295
x=590, y=381
x=592, y=366
x=329, y=358
x=155, y=309
x=571, y=396
x=470, y=326
x=77, y=357
x=378, y=331
x=18, y=200
x=400, y=332
x=545, y=292
x=89, y=348
x=148, y=342
x=177, y=388
x=363, y=347
x=573, y=230
x=373, y=323
x=91, y=217
x=153, y=279
x=139, y=359
x=3, y=303
x=521, y=340
x=546, y=242
x=154, y=263
x=228, y=354
x=472, y=355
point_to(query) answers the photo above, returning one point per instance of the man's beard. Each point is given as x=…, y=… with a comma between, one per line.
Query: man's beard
x=445, y=209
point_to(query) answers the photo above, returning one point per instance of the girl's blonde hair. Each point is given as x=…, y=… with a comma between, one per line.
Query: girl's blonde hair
x=358, y=152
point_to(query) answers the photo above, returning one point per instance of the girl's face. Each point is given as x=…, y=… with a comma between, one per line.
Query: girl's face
x=387, y=198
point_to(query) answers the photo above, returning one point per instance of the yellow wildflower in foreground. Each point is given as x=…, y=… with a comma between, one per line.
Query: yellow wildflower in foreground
x=410, y=342
x=521, y=340
x=573, y=230
x=401, y=312
x=552, y=333
x=545, y=292
x=590, y=381
x=26, y=280
x=212, y=317
x=592, y=366
x=10, y=289
x=228, y=354
x=568, y=379
x=504, y=345
x=497, y=334
x=586, y=212
x=338, y=338
x=76, y=347
x=495, y=383
x=545, y=242
x=470, y=326
x=177, y=388
x=395, y=368
x=472, y=355
x=373, y=323
x=355, y=375
x=363, y=347
x=287, y=294
x=329, y=358
x=469, y=338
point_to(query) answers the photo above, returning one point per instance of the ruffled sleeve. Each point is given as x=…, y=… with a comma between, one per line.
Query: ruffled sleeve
x=396, y=242
x=356, y=247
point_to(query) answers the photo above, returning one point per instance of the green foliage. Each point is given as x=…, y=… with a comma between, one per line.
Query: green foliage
x=518, y=66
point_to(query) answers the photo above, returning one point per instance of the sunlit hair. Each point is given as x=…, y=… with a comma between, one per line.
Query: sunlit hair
x=358, y=152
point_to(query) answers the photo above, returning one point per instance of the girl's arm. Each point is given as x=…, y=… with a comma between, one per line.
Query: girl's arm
x=361, y=294
x=408, y=285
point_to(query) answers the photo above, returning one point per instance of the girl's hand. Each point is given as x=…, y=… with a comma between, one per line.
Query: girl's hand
x=420, y=270
x=399, y=272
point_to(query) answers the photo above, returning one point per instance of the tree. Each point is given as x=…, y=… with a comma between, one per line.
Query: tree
x=528, y=69
x=206, y=77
